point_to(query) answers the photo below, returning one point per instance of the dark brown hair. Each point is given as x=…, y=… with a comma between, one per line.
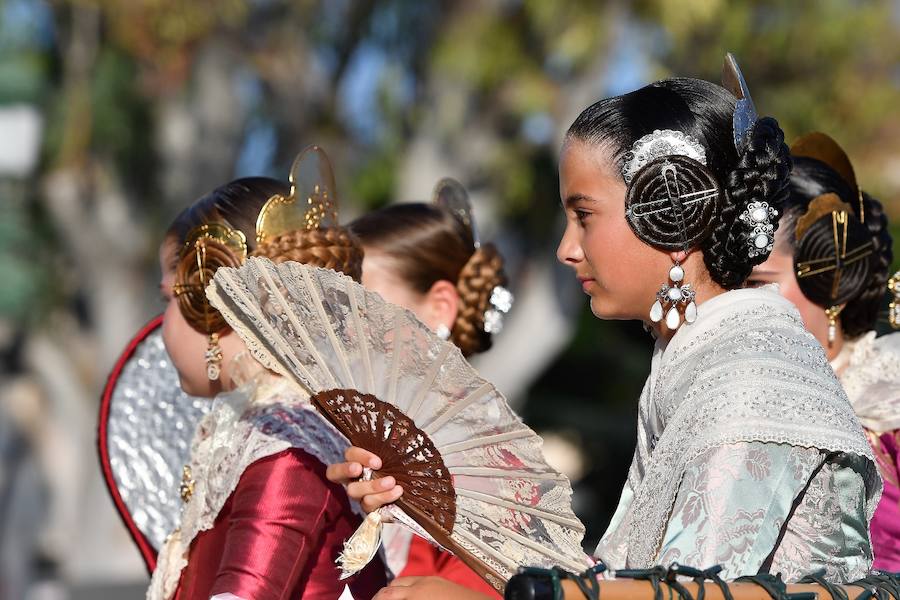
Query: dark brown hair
x=427, y=244
x=862, y=285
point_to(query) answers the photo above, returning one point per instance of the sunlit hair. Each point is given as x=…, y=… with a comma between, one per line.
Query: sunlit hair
x=426, y=244
x=703, y=111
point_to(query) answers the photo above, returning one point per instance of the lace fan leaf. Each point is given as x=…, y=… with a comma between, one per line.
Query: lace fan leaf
x=474, y=476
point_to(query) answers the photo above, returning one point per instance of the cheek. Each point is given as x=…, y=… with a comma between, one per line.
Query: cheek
x=613, y=251
x=186, y=348
x=813, y=315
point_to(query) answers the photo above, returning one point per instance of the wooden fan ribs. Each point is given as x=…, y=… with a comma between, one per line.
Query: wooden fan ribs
x=407, y=453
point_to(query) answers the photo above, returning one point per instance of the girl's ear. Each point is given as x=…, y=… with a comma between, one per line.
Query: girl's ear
x=679, y=256
x=441, y=304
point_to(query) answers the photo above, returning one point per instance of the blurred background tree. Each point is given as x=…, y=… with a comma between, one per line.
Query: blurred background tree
x=114, y=115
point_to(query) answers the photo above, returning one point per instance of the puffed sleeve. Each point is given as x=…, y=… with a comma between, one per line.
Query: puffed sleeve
x=279, y=510
x=731, y=505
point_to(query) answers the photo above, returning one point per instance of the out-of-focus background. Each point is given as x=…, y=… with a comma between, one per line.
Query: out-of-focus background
x=116, y=114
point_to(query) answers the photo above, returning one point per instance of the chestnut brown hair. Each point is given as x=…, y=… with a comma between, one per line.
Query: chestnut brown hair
x=427, y=244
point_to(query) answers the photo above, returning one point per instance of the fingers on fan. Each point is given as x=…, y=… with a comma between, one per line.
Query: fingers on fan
x=344, y=473
x=363, y=457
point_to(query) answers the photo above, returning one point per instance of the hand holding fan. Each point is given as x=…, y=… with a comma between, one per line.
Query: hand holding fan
x=473, y=474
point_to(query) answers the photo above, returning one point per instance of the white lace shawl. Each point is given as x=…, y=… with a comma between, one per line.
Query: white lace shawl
x=264, y=416
x=869, y=369
x=746, y=370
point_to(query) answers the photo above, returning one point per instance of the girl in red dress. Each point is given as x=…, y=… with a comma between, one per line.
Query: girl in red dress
x=260, y=520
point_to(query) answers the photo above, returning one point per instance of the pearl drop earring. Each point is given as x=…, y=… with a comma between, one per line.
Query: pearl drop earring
x=671, y=296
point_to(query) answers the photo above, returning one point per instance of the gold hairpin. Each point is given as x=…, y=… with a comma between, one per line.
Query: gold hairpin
x=311, y=204
x=842, y=258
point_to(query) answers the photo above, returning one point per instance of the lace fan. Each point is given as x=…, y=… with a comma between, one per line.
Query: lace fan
x=474, y=476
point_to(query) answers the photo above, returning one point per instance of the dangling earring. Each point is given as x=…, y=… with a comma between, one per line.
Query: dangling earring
x=832, y=314
x=442, y=331
x=672, y=296
x=894, y=306
x=213, y=358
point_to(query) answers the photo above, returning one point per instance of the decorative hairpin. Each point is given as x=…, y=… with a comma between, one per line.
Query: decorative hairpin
x=760, y=218
x=452, y=195
x=311, y=204
x=825, y=149
x=501, y=303
x=660, y=143
x=745, y=115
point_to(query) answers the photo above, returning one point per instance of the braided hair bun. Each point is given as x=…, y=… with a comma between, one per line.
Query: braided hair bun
x=762, y=174
x=477, y=280
x=234, y=207
x=195, y=269
x=330, y=248
x=649, y=206
x=427, y=243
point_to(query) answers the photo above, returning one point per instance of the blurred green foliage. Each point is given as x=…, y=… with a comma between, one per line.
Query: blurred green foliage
x=494, y=82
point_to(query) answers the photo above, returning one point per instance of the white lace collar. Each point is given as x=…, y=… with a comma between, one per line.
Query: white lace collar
x=869, y=370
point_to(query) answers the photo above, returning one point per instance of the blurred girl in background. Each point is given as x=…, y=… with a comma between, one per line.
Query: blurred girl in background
x=831, y=259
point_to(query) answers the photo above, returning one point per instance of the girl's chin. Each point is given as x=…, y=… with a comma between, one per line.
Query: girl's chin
x=603, y=310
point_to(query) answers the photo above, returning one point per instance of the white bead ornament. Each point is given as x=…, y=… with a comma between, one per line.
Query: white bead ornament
x=673, y=319
x=670, y=297
x=656, y=312
x=759, y=218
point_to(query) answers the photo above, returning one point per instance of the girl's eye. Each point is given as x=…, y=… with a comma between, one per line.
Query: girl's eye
x=581, y=215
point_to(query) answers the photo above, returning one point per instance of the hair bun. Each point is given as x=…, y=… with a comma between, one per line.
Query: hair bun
x=816, y=250
x=194, y=272
x=762, y=174
x=477, y=280
x=649, y=209
x=328, y=247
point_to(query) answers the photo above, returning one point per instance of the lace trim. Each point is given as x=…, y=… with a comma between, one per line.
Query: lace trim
x=262, y=418
x=871, y=379
x=751, y=375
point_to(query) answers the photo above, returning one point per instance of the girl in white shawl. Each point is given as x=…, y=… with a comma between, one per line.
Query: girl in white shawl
x=749, y=454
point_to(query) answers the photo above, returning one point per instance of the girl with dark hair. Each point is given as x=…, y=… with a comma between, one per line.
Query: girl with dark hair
x=748, y=452
x=427, y=258
x=831, y=259
x=260, y=520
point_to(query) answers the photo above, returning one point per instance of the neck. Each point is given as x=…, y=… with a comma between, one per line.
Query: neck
x=834, y=348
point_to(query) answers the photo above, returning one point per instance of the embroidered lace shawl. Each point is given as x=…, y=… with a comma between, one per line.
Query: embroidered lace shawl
x=265, y=415
x=869, y=370
x=745, y=372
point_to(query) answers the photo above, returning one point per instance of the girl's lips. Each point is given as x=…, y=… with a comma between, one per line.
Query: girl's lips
x=585, y=282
